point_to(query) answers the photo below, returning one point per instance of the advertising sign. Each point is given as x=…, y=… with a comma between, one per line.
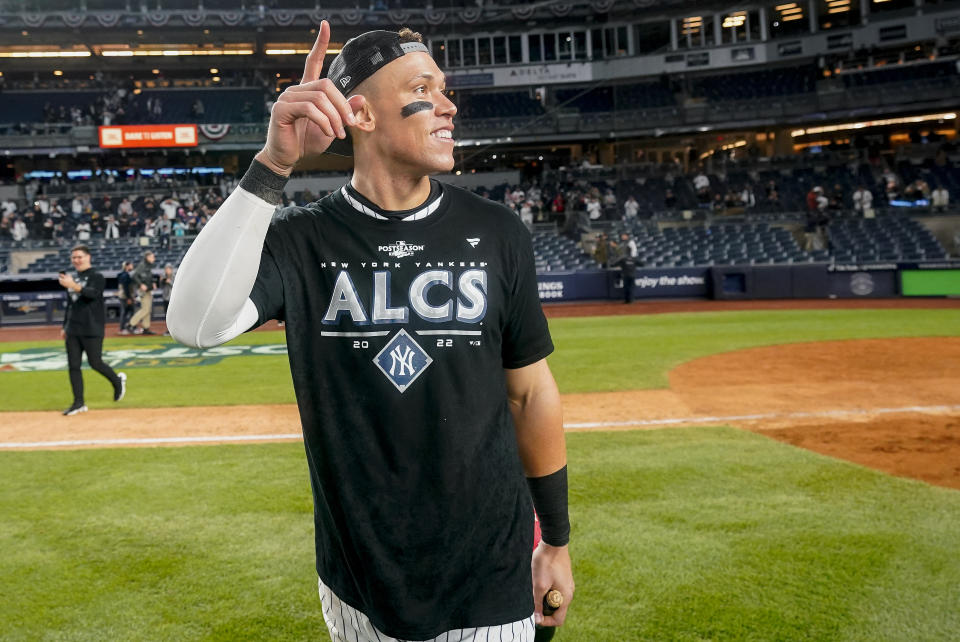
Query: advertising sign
x=121, y=136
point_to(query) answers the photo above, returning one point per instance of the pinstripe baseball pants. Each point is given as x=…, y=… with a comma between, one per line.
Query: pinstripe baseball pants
x=347, y=624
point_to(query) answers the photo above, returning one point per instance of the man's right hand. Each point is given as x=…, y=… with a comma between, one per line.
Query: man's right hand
x=307, y=117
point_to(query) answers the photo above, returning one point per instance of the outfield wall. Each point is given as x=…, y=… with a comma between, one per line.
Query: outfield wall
x=21, y=305
x=746, y=282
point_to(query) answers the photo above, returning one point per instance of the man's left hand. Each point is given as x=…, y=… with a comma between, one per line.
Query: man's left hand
x=551, y=570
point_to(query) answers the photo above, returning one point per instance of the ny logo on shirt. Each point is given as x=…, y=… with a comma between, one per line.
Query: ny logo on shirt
x=402, y=360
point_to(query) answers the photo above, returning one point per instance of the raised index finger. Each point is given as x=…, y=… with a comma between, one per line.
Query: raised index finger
x=314, y=64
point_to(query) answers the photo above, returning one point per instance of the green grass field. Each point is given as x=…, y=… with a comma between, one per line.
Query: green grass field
x=696, y=534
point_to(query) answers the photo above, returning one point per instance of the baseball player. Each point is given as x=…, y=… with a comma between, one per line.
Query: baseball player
x=417, y=346
x=83, y=327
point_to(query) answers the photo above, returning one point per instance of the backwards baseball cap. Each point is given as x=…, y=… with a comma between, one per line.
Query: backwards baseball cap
x=360, y=58
x=365, y=55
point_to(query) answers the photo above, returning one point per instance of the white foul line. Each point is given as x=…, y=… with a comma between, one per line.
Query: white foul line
x=570, y=426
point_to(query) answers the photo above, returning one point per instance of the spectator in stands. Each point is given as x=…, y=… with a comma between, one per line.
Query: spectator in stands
x=747, y=197
x=46, y=231
x=125, y=294
x=701, y=182
x=719, y=204
x=7, y=207
x=630, y=208
x=669, y=200
x=123, y=226
x=837, y=200
x=163, y=227
x=732, y=199
x=96, y=225
x=862, y=201
x=892, y=187
x=609, y=200
x=594, y=208
x=169, y=207
x=940, y=199
x=816, y=209
x=142, y=279
x=149, y=229
x=135, y=228
x=43, y=205
x=6, y=233
x=82, y=231
x=558, y=206
x=773, y=195
x=125, y=208
x=110, y=229
x=526, y=214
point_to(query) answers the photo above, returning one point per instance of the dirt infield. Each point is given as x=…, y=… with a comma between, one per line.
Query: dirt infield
x=888, y=404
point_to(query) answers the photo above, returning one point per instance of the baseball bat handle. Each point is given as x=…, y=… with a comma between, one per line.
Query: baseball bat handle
x=551, y=602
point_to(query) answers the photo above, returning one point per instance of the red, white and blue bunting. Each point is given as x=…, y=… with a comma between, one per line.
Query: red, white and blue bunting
x=214, y=131
x=285, y=17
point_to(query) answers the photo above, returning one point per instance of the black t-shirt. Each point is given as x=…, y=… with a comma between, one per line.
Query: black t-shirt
x=85, y=314
x=398, y=333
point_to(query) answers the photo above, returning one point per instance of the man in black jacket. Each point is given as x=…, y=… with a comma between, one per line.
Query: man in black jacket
x=126, y=295
x=83, y=326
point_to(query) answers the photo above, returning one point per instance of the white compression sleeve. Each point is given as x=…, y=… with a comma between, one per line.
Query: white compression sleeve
x=210, y=302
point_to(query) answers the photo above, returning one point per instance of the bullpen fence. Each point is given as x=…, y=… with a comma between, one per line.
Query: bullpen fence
x=20, y=306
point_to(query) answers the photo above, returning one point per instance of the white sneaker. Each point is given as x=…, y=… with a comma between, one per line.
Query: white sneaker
x=118, y=393
x=74, y=410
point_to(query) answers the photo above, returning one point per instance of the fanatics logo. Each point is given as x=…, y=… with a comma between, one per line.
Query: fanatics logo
x=473, y=242
x=400, y=249
x=402, y=360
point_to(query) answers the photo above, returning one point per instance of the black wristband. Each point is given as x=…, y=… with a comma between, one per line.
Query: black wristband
x=263, y=182
x=549, y=495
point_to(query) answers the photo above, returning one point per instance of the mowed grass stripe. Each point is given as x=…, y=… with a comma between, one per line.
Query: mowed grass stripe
x=701, y=534
x=593, y=354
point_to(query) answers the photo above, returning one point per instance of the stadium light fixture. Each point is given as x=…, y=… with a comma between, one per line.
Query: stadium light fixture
x=906, y=120
x=172, y=50
x=44, y=54
x=57, y=72
x=293, y=49
x=214, y=70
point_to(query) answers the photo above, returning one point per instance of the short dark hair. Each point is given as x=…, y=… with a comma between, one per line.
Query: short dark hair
x=408, y=35
x=80, y=248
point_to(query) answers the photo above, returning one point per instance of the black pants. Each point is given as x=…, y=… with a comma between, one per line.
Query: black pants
x=126, y=311
x=93, y=346
x=628, y=283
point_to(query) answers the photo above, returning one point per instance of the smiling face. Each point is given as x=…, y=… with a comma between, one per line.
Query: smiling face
x=80, y=260
x=410, y=119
